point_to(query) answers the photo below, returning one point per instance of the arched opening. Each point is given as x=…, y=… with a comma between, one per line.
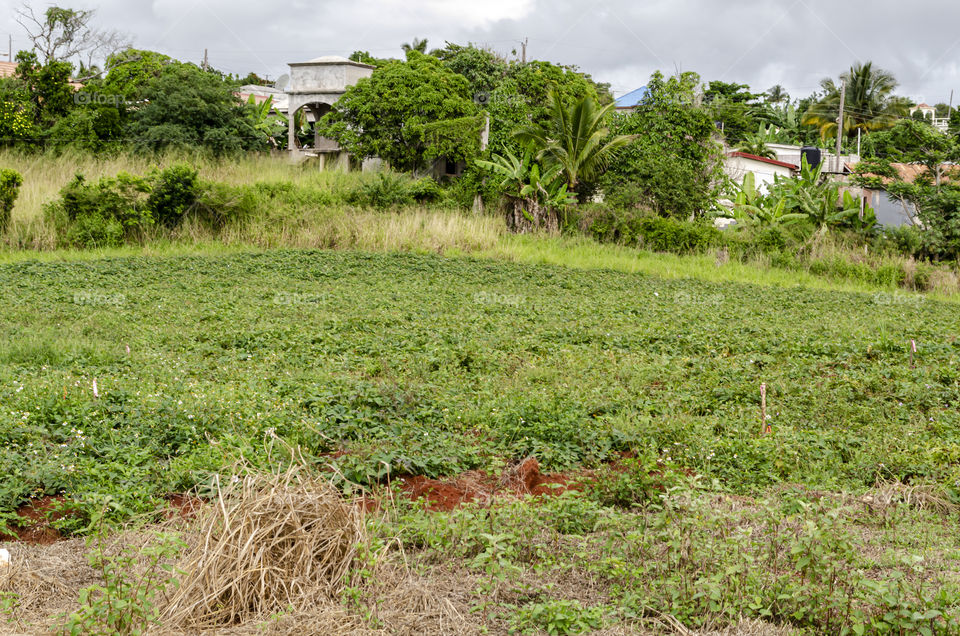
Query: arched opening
x=303, y=129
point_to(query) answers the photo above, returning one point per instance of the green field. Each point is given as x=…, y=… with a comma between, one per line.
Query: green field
x=381, y=365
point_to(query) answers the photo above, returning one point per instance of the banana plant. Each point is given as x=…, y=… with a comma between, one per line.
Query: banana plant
x=265, y=121
x=752, y=207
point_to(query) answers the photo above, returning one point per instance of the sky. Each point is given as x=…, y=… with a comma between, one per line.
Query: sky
x=795, y=43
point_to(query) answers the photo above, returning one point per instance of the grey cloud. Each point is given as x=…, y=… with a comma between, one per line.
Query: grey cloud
x=761, y=42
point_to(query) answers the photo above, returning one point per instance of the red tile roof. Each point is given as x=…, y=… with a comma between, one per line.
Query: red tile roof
x=772, y=162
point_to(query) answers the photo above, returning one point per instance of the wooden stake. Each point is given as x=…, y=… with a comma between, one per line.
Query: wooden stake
x=765, y=428
x=913, y=352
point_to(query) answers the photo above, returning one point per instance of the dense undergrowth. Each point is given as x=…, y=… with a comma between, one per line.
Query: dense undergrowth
x=425, y=365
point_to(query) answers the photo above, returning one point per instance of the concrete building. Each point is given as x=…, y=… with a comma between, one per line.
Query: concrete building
x=737, y=164
x=315, y=86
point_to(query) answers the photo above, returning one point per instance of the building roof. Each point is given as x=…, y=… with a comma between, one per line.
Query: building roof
x=772, y=162
x=633, y=98
x=331, y=59
x=924, y=105
x=910, y=172
x=7, y=69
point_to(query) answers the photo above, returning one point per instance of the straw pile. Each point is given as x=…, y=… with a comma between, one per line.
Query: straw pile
x=267, y=544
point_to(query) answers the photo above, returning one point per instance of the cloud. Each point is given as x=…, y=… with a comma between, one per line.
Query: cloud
x=795, y=43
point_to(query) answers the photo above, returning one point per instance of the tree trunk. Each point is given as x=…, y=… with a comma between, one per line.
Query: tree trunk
x=527, y=215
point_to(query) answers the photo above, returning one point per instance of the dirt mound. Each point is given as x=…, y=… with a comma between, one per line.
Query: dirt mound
x=525, y=478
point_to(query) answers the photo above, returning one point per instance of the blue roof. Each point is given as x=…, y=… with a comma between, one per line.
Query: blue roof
x=633, y=98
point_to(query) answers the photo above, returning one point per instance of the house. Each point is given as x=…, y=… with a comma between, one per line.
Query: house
x=626, y=103
x=930, y=114
x=737, y=164
x=7, y=69
x=316, y=85
x=261, y=94
x=891, y=211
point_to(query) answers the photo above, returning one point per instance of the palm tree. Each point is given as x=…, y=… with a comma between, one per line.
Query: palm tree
x=575, y=138
x=777, y=94
x=418, y=45
x=869, y=102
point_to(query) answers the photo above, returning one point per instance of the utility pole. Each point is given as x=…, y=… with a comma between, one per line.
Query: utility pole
x=859, y=131
x=206, y=65
x=950, y=108
x=843, y=99
x=523, y=48
x=10, y=55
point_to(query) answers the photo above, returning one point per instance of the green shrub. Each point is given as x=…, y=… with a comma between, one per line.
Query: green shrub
x=219, y=204
x=905, y=239
x=174, y=192
x=10, y=182
x=425, y=190
x=637, y=227
x=104, y=214
x=680, y=237
x=384, y=192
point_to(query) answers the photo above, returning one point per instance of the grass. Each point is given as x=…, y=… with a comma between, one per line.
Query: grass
x=433, y=365
x=133, y=373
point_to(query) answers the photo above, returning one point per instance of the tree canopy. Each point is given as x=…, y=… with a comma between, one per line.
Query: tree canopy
x=407, y=113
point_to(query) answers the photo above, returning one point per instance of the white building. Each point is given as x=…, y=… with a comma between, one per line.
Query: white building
x=737, y=164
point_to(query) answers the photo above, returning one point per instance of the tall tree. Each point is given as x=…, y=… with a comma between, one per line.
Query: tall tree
x=418, y=45
x=62, y=34
x=674, y=165
x=407, y=113
x=576, y=138
x=777, y=94
x=870, y=103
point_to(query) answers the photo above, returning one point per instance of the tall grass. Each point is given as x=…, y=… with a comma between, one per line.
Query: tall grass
x=297, y=220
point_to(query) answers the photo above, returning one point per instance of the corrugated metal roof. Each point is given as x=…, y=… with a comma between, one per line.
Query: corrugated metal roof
x=633, y=98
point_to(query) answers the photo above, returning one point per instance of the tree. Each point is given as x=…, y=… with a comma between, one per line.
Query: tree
x=407, y=113
x=187, y=107
x=418, y=45
x=575, y=138
x=48, y=86
x=129, y=71
x=934, y=193
x=869, y=104
x=756, y=143
x=674, y=165
x=533, y=194
x=733, y=107
x=777, y=94
x=61, y=34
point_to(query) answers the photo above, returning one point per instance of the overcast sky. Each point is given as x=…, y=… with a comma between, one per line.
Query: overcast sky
x=760, y=42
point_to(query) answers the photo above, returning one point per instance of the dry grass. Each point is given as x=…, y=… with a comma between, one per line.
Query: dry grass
x=267, y=544
x=920, y=496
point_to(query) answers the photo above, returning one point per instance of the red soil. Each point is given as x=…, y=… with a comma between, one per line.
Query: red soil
x=39, y=514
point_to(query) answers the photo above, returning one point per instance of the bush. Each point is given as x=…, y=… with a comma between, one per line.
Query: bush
x=635, y=227
x=10, y=182
x=174, y=191
x=384, y=192
x=906, y=240
x=104, y=214
x=425, y=190
x=219, y=204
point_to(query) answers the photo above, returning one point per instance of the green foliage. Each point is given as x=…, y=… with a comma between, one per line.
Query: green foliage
x=125, y=602
x=557, y=617
x=673, y=166
x=132, y=70
x=634, y=228
x=407, y=113
x=185, y=107
x=934, y=193
x=48, y=86
x=174, y=191
x=102, y=214
x=870, y=103
x=575, y=139
x=734, y=107
x=10, y=182
x=386, y=191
